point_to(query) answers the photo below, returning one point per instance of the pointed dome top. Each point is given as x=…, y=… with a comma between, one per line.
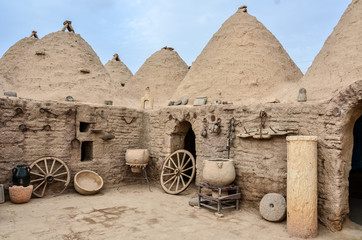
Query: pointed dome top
x=118, y=71
x=60, y=64
x=15, y=52
x=243, y=62
x=339, y=63
x=162, y=73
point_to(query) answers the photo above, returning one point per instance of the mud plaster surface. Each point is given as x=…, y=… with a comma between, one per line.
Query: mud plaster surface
x=132, y=212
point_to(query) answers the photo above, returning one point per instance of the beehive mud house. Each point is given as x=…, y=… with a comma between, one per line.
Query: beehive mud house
x=243, y=67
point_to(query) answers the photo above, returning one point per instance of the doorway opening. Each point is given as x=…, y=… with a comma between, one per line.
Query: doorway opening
x=184, y=138
x=355, y=175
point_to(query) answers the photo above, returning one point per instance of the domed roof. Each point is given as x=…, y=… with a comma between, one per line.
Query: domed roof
x=60, y=64
x=15, y=52
x=339, y=63
x=162, y=73
x=242, y=63
x=118, y=71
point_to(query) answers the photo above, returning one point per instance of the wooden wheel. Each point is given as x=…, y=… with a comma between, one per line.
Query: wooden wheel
x=177, y=172
x=49, y=175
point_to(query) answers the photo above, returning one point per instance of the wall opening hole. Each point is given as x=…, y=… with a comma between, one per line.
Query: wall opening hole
x=87, y=151
x=355, y=175
x=271, y=205
x=84, y=126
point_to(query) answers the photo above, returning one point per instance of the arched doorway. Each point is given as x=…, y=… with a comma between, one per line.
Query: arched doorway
x=183, y=137
x=189, y=142
x=355, y=176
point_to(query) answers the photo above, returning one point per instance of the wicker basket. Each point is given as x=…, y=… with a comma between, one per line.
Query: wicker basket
x=87, y=182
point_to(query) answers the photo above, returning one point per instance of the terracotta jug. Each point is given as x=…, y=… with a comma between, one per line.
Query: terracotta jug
x=21, y=175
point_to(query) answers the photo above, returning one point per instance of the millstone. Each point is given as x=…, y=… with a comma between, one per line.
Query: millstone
x=273, y=207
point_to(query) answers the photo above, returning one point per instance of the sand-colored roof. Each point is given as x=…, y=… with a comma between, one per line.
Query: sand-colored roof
x=15, y=52
x=118, y=71
x=339, y=63
x=60, y=64
x=242, y=63
x=10, y=58
x=162, y=72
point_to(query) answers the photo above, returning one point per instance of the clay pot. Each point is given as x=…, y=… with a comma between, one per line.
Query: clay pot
x=20, y=194
x=219, y=172
x=87, y=182
x=136, y=157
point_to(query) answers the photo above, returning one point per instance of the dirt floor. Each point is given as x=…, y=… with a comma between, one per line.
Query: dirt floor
x=133, y=212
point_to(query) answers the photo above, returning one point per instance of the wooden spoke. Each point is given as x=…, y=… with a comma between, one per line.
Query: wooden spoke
x=184, y=170
x=178, y=160
x=58, y=169
x=173, y=182
x=51, y=183
x=37, y=174
x=60, y=174
x=188, y=160
x=178, y=182
x=51, y=168
x=182, y=161
x=168, y=174
x=36, y=180
x=173, y=162
x=171, y=177
x=183, y=174
x=40, y=169
x=60, y=180
x=172, y=169
x=46, y=165
x=183, y=182
x=38, y=185
x=45, y=186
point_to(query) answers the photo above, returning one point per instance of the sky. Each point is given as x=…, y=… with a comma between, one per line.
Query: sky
x=135, y=29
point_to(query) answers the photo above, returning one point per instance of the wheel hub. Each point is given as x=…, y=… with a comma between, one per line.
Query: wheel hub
x=49, y=178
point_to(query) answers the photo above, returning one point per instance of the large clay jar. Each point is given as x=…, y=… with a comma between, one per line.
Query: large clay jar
x=20, y=194
x=218, y=172
x=137, y=158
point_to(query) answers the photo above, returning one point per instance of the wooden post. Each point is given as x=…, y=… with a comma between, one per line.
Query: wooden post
x=302, y=196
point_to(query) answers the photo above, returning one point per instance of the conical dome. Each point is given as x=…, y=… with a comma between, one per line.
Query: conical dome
x=15, y=53
x=339, y=63
x=119, y=72
x=162, y=73
x=242, y=63
x=61, y=64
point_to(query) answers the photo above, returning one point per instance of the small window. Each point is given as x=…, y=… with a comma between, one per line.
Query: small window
x=84, y=127
x=87, y=151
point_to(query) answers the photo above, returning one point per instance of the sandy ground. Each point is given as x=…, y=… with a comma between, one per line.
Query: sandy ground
x=133, y=212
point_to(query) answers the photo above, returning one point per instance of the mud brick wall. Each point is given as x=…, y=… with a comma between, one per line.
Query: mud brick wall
x=261, y=165
x=47, y=128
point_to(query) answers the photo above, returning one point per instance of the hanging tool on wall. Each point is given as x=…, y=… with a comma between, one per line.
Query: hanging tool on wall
x=18, y=111
x=231, y=129
x=75, y=143
x=48, y=111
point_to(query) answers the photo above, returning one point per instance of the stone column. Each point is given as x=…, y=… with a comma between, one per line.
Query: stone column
x=302, y=196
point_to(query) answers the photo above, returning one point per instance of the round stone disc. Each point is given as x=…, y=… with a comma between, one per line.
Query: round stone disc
x=273, y=207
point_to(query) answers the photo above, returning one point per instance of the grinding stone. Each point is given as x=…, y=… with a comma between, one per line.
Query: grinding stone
x=273, y=207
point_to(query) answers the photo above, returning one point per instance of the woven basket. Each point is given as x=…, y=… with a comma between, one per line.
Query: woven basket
x=87, y=182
